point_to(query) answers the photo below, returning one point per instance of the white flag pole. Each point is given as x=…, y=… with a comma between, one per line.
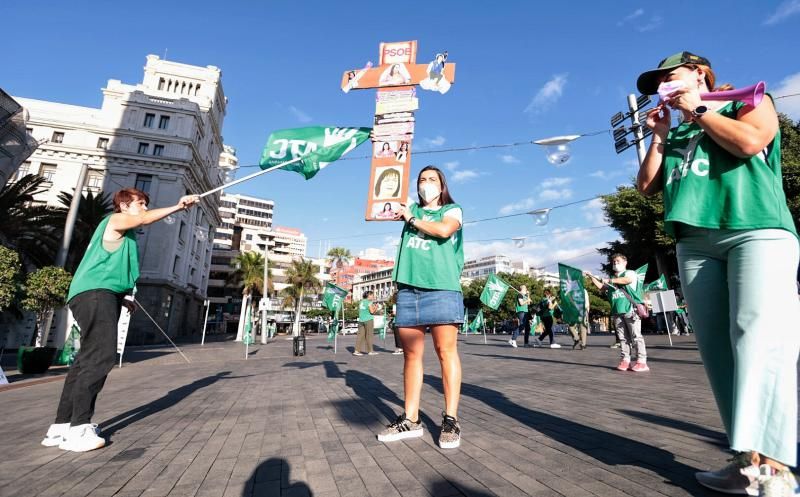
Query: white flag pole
x=139, y=304
x=250, y=176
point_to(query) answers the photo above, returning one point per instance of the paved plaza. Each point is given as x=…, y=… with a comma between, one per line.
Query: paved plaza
x=540, y=422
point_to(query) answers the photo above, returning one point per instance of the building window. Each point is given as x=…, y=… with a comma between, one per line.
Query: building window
x=148, y=120
x=23, y=171
x=163, y=122
x=175, y=264
x=182, y=232
x=143, y=182
x=248, y=237
x=58, y=137
x=161, y=83
x=143, y=147
x=158, y=150
x=48, y=172
x=29, y=131
x=95, y=180
x=102, y=143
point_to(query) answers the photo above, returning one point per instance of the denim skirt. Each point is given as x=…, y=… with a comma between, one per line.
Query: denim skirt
x=423, y=307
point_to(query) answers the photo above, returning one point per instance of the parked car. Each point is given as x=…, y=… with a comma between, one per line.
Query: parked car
x=350, y=329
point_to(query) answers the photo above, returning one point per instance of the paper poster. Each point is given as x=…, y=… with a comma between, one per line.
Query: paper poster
x=395, y=52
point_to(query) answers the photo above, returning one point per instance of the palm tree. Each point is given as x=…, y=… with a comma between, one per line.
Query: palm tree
x=338, y=257
x=28, y=229
x=250, y=274
x=302, y=276
x=91, y=212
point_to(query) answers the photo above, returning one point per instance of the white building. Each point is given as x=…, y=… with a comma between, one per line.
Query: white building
x=483, y=267
x=290, y=240
x=162, y=136
x=549, y=279
x=379, y=282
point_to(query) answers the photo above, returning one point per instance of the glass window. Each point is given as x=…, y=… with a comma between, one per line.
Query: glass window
x=23, y=171
x=48, y=172
x=95, y=180
x=148, y=120
x=143, y=182
x=102, y=143
x=58, y=137
x=143, y=147
x=158, y=149
x=163, y=122
x=161, y=83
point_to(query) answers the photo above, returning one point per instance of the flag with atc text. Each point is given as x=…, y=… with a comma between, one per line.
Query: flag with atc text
x=640, y=273
x=658, y=285
x=333, y=297
x=573, y=297
x=317, y=145
x=494, y=291
x=477, y=323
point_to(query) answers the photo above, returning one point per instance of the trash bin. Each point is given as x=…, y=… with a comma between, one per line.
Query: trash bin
x=299, y=345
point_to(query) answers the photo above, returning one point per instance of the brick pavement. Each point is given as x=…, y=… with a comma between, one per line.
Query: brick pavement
x=540, y=422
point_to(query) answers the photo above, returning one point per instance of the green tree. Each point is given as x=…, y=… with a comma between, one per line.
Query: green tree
x=302, y=278
x=790, y=164
x=10, y=269
x=339, y=256
x=91, y=212
x=507, y=309
x=249, y=273
x=27, y=228
x=45, y=290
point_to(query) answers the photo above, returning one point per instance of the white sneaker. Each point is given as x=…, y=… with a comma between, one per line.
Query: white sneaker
x=82, y=438
x=555, y=346
x=513, y=343
x=55, y=434
x=773, y=483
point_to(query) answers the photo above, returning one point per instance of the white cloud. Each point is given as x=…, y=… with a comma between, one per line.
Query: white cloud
x=553, y=182
x=435, y=142
x=527, y=203
x=789, y=106
x=509, y=159
x=300, y=115
x=464, y=175
x=551, y=194
x=785, y=9
x=606, y=175
x=547, y=94
x=630, y=17
x=654, y=23
x=573, y=235
x=451, y=166
x=593, y=212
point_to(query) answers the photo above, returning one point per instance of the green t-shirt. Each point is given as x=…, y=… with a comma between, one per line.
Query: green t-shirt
x=544, y=308
x=100, y=269
x=363, y=310
x=425, y=261
x=707, y=187
x=522, y=305
x=619, y=302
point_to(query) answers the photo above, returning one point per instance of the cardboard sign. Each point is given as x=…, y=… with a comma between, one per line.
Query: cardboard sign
x=390, y=75
x=401, y=52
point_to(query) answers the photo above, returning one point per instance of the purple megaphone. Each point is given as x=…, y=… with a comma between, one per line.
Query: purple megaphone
x=751, y=95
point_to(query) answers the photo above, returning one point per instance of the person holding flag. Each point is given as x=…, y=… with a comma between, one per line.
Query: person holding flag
x=107, y=273
x=546, y=310
x=627, y=323
x=427, y=273
x=523, y=300
x=574, y=303
x=366, y=325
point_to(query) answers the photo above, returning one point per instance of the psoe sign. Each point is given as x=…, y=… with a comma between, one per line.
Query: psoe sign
x=399, y=52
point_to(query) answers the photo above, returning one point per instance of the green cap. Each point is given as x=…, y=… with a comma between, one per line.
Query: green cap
x=648, y=81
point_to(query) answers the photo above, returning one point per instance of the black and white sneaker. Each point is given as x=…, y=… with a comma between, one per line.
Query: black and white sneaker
x=450, y=437
x=400, y=429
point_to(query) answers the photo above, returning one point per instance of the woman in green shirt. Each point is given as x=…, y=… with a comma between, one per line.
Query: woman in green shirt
x=738, y=252
x=427, y=273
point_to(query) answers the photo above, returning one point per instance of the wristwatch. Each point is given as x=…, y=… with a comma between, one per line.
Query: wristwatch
x=412, y=220
x=699, y=111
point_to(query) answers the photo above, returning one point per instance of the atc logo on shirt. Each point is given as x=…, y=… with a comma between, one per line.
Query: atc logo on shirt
x=698, y=167
x=418, y=240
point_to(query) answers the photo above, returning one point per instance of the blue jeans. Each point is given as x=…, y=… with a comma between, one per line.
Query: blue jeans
x=742, y=297
x=524, y=326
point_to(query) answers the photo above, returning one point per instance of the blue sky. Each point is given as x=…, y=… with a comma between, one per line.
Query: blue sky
x=525, y=71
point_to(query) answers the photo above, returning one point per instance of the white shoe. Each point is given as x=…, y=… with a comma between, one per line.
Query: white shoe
x=555, y=346
x=55, y=434
x=772, y=483
x=82, y=438
x=513, y=343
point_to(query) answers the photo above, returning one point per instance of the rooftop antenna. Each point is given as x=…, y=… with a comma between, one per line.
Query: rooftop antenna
x=165, y=53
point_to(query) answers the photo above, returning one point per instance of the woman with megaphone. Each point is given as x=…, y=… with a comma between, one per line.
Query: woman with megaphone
x=720, y=173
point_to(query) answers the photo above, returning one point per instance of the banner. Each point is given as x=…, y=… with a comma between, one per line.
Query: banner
x=572, y=295
x=494, y=291
x=640, y=274
x=333, y=297
x=318, y=145
x=658, y=285
x=477, y=323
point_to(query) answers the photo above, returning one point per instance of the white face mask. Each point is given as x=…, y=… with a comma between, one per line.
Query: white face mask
x=429, y=192
x=618, y=268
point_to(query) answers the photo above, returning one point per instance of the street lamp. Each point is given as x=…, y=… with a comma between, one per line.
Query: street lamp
x=637, y=115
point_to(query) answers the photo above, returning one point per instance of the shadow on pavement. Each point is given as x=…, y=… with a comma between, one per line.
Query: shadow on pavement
x=171, y=398
x=273, y=477
x=712, y=436
x=536, y=359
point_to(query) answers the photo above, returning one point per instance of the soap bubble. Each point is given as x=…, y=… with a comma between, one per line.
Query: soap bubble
x=201, y=234
x=540, y=217
x=558, y=154
x=169, y=219
x=519, y=242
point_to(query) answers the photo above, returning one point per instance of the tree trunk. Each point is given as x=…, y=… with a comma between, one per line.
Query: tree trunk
x=298, y=310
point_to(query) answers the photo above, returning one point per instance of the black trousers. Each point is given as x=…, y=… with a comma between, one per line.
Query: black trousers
x=547, y=321
x=97, y=313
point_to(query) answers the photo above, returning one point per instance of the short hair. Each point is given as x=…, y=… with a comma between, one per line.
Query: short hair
x=547, y=291
x=388, y=172
x=367, y=294
x=128, y=195
x=619, y=256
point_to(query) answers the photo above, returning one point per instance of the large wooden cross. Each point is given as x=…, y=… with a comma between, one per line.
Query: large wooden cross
x=396, y=78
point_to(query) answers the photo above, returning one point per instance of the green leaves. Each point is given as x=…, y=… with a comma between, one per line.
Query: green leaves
x=46, y=288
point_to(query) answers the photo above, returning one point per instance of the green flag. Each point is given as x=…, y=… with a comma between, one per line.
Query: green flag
x=465, y=324
x=658, y=285
x=67, y=355
x=494, y=291
x=573, y=297
x=535, y=322
x=640, y=274
x=477, y=323
x=317, y=145
x=248, y=327
x=333, y=297
x=333, y=329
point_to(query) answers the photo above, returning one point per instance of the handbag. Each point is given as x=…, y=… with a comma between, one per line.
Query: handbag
x=640, y=309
